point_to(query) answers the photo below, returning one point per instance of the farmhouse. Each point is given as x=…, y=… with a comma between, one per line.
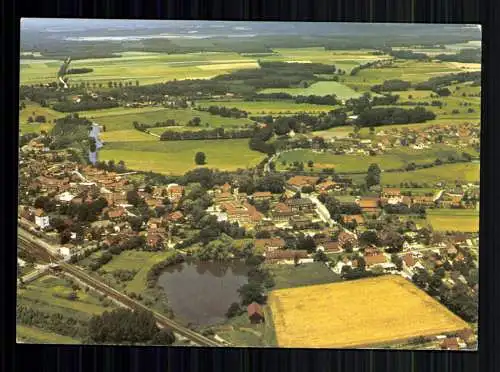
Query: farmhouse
x=298, y=182
x=389, y=192
x=375, y=259
x=285, y=256
x=175, y=192
x=369, y=205
x=345, y=237
x=263, y=195
x=349, y=218
x=301, y=205
x=281, y=212
x=255, y=313
x=269, y=245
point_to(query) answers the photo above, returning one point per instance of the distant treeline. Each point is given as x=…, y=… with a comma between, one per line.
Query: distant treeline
x=464, y=56
x=363, y=66
x=210, y=134
x=86, y=105
x=391, y=86
x=330, y=99
x=383, y=116
x=437, y=82
x=226, y=112
x=79, y=71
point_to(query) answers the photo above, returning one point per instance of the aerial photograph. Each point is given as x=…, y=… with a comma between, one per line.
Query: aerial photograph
x=248, y=184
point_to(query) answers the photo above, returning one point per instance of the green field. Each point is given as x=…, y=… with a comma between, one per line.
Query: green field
x=126, y=135
x=268, y=107
x=146, y=67
x=289, y=276
x=177, y=157
x=122, y=118
x=394, y=159
x=463, y=220
x=34, y=109
x=321, y=88
x=136, y=260
x=465, y=172
x=48, y=294
x=37, y=335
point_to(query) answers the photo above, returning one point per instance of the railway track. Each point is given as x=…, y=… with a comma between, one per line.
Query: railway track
x=32, y=244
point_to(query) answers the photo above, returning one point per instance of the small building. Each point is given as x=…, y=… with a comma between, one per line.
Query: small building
x=41, y=218
x=262, y=195
x=270, y=244
x=298, y=182
x=255, y=313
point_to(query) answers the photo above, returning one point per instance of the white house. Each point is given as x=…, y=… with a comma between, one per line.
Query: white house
x=41, y=219
x=337, y=269
x=65, y=197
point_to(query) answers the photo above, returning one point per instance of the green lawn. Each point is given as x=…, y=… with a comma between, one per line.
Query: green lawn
x=321, y=88
x=394, y=159
x=177, y=157
x=34, y=109
x=465, y=172
x=37, y=335
x=122, y=118
x=464, y=220
x=136, y=260
x=289, y=276
x=127, y=135
x=268, y=107
x=48, y=294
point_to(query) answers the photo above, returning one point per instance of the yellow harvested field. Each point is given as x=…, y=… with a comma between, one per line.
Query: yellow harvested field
x=358, y=313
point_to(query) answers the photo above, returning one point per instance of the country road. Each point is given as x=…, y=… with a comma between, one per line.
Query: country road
x=29, y=240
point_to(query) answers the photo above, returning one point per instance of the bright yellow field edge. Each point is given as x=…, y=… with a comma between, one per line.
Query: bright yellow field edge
x=309, y=325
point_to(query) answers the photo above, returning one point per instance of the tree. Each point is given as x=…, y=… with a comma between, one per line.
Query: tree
x=369, y=237
x=310, y=163
x=234, y=310
x=164, y=337
x=200, y=158
x=251, y=292
x=133, y=197
x=373, y=175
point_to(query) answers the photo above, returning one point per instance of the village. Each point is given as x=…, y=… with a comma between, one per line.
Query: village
x=292, y=227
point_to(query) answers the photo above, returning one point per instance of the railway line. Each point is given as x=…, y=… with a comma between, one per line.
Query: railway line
x=34, y=245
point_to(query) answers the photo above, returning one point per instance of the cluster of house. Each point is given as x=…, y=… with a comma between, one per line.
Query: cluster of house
x=68, y=183
x=462, y=135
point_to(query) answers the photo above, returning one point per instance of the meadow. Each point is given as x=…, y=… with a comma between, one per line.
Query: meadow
x=449, y=173
x=49, y=293
x=393, y=159
x=268, y=107
x=340, y=315
x=177, y=157
x=123, y=118
x=148, y=68
x=462, y=220
x=289, y=276
x=321, y=88
x=139, y=261
x=36, y=335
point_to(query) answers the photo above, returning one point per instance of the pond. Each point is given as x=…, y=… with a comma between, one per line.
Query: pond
x=201, y=292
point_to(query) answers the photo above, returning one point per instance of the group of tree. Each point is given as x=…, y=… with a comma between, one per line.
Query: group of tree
x=226, y=112
x=74, y=71
x=373, y=175
x=53, y=322
x=128, y=327
x=206, y=134
x=143, y=126
x=469, y=55
x=444, y=80
x=367, y=65
x=391, y=86
x=84, y=105
x=393, y=115
x=408, y=54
